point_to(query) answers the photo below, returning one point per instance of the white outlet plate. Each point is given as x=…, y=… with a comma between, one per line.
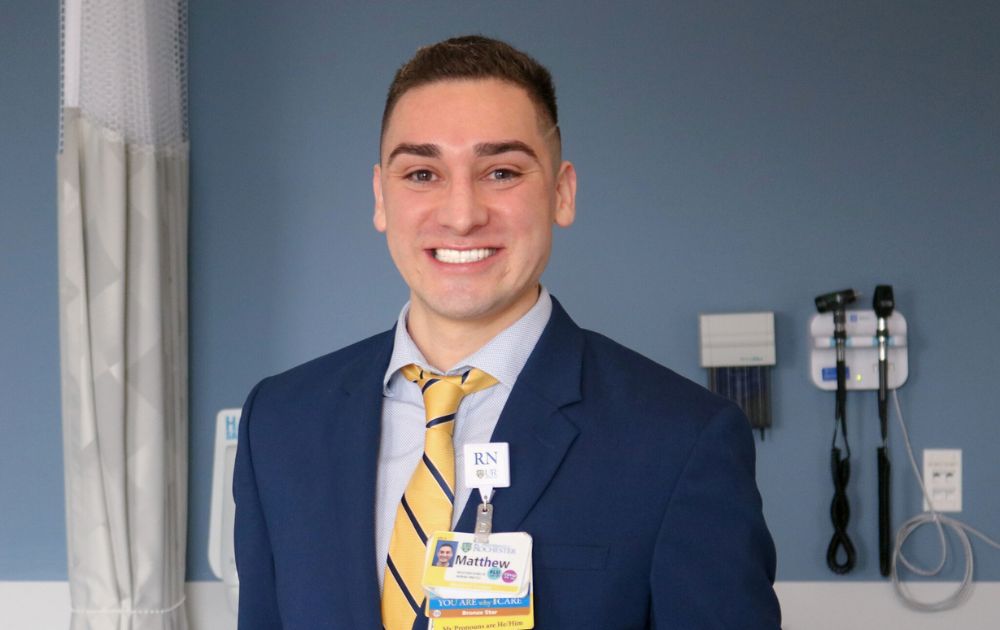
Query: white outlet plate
x=943, y=478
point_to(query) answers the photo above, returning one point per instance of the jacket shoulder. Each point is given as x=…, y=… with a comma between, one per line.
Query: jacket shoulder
x=330, y=370
x=619, y=371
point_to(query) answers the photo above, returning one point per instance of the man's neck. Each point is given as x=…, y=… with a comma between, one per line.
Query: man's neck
x=445, y=342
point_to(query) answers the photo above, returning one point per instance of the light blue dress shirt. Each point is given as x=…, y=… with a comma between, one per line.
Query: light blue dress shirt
x=402, y=441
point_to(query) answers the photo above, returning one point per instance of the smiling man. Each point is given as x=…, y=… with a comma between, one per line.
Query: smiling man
x=469, y=187
x=636, y=485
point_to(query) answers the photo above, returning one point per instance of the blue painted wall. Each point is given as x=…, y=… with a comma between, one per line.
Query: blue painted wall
x=730, y=158
x=32, y=529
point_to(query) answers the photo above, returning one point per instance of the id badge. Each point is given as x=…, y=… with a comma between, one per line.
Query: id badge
x=472, y=584
x=455, y=561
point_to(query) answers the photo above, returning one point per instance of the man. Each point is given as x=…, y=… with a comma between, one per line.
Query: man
x=636, y=485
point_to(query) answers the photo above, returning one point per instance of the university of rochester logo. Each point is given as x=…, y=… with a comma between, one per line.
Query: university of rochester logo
x=466, y=547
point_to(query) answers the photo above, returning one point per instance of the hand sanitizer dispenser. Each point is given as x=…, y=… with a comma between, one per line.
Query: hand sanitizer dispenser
x=221, y=554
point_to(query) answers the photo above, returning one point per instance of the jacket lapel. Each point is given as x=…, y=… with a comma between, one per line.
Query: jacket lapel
x=533, y=424
x=358, y=406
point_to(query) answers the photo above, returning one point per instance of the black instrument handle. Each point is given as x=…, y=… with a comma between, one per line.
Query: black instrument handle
x=884, y=519
x=883, y=398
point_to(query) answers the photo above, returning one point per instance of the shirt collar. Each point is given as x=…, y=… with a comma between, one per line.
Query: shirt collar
x=503, y=357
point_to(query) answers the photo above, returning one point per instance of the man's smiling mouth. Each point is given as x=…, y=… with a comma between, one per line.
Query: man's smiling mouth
x=459, y=256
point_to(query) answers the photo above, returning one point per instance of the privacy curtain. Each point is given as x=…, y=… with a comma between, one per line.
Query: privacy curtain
x=123, y=191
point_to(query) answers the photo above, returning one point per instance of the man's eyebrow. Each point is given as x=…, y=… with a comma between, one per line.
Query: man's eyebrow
x=420, y=150
x=486, y=149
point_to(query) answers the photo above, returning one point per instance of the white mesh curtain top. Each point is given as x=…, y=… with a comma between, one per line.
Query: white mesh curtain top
x=123, y=202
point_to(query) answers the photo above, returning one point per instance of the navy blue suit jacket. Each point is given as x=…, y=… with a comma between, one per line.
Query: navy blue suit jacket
x=636, y=484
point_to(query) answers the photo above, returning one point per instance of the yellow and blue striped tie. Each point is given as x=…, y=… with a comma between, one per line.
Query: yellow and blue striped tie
x=426, y=506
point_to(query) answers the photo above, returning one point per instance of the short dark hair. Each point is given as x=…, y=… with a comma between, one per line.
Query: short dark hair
x=474, y=57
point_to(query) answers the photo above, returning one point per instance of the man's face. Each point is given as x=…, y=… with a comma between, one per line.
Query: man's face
x=467, y=190
x=444, y=555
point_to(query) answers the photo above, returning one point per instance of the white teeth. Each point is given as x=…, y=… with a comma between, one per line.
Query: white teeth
x=457, y=256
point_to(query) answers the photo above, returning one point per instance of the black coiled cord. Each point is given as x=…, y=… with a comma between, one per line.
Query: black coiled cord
x=840, y=509
x=840, y=515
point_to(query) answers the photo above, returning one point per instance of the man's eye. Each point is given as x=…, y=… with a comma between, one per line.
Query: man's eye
x=420, y=176
x=503, y=175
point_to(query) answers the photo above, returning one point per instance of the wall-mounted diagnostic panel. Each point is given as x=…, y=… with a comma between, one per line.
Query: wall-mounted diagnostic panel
x=861, y=353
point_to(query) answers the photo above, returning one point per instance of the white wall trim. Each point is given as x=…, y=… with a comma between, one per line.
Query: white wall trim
x=875, y=606
x=805, y=606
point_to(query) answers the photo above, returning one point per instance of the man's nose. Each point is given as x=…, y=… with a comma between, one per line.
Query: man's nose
x=462, y=210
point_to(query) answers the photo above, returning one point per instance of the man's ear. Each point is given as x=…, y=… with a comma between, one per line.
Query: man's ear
x=565, y=195
x=379, y=218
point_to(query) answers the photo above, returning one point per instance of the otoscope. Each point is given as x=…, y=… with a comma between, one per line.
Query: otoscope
x=883, y=304
x=840, y=510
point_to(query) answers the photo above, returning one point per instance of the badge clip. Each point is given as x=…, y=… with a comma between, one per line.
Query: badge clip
x=484, y=522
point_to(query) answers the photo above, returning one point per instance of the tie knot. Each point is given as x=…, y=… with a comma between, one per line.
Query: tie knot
x=443, y=394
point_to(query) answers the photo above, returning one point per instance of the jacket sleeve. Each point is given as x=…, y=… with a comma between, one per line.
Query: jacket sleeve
x=258, y=608
x=714, y=561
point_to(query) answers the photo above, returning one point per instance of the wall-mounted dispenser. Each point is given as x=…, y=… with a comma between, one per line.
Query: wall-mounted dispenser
x=738, y=350
x=221, y=554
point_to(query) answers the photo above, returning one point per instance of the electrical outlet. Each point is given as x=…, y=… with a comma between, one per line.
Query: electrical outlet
x=943, y=478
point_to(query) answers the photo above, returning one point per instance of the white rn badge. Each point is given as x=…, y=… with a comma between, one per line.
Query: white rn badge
x=487, y=466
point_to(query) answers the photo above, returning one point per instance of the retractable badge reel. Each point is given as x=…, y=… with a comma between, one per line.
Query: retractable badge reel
x=487, y=466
